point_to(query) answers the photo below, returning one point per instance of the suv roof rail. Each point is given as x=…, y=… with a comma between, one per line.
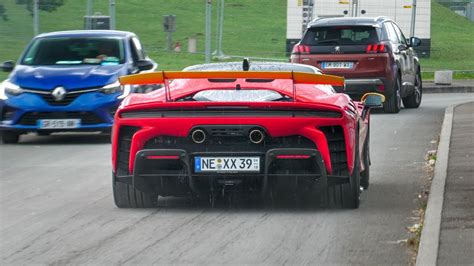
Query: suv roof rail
x=381, y=18
x=314, y=20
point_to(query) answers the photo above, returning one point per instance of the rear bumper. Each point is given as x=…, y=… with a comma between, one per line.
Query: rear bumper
x=370, y=82
x=358, y=87
x=199, y=182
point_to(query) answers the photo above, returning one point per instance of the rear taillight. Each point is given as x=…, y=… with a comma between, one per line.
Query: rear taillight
x=293, y=156
x=300, y=49
x=376, y=48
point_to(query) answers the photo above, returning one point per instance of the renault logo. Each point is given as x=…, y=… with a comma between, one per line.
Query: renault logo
x=59, y=93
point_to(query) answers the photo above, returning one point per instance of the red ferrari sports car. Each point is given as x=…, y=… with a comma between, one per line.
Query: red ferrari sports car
x=207, y=133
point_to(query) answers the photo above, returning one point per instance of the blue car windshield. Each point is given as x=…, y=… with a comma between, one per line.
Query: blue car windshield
x=75, y=51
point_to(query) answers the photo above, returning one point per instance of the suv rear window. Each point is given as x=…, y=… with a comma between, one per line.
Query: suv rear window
x=340, y=35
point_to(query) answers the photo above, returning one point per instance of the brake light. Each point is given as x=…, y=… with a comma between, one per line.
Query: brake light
x=300, y=49
x=293, y=156
x=163, y=157
x=376, y=48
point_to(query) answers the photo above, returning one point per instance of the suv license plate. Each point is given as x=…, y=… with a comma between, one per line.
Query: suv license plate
x=345, y=65
x=226, y=164
x=58, y=123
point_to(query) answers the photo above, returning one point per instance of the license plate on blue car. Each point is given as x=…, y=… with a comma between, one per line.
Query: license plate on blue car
x=58, y=123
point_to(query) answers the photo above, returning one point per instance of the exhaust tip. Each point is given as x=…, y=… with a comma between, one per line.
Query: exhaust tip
x=256, y=136
x=198, y=136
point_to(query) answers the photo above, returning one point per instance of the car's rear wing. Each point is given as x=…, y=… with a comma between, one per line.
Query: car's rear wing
x=297, y=77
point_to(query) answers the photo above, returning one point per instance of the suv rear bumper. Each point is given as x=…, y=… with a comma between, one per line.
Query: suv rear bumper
x=371, y=82
x=358, y=87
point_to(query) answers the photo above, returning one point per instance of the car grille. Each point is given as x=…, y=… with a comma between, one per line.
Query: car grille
x=87, y=118
x=68, y=98
x=228, y=144
x=337, y=149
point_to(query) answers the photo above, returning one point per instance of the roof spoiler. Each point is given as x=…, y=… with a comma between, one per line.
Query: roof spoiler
x=163, y=77
x=297, y=77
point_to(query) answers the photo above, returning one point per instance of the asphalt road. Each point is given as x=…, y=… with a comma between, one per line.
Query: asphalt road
x=56, y=207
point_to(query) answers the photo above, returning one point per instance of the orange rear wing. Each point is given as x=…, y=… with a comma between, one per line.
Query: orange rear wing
x=297, y=77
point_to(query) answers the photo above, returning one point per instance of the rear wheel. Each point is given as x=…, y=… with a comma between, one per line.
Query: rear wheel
x=394, y=101
x=350, y=196
x=126, y=196
x=10, y=137
x=414, y=99
x=365, y=175
x=347, y=195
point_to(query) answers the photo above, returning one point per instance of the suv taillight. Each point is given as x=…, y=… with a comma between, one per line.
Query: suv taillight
x=300, y=49
x=376, y=48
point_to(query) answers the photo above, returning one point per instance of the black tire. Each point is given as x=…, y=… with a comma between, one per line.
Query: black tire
x=365, y=175
x=126, y=196
x=350, y=196
x=414, y=99
x=10, y=137
x=347, y=195
x=394, y=101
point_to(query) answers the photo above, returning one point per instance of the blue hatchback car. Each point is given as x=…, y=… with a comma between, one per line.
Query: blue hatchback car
x=68, y=81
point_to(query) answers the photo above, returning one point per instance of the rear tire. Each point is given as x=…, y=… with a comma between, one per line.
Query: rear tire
x=10, y=137
x=414, y=99
x=126, y=196
x=350, y=196
x=365, y=175
x=394, y=101
x=347, y=195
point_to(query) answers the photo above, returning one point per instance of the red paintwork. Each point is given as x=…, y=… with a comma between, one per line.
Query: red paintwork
x=314, y=97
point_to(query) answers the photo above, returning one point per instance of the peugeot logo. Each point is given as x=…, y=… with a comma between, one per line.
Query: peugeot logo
x=59, y=93
x=337, y=49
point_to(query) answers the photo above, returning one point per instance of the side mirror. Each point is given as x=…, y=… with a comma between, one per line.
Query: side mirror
x=7, y=66
x=143, y=65
x=414, y=41
x=373, y=100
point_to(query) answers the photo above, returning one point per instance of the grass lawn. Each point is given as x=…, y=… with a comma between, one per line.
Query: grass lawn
x=251, y=28
x=452, y=44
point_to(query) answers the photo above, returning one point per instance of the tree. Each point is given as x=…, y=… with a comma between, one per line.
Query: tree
x=45, y=5
x=3, y=14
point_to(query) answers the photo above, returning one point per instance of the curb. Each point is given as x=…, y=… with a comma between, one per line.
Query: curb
x=447, y=89
x=429, y=241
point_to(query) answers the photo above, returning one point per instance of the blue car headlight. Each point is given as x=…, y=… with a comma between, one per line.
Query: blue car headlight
x=9, y=88
x=116, y=87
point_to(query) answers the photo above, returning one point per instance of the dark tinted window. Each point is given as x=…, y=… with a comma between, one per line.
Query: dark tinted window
x=341, y=35
x=75, y=51
x=137, y=50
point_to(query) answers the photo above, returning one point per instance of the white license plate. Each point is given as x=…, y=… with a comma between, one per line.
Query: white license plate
x=59, y=123
x=226, y=164
x=337, y=64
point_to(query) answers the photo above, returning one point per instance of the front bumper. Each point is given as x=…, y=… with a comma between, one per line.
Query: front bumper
x=200, y=182
x=21, y=113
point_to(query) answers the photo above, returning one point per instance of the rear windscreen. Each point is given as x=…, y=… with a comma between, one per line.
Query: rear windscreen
x=247, y=95
x=340, y=35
